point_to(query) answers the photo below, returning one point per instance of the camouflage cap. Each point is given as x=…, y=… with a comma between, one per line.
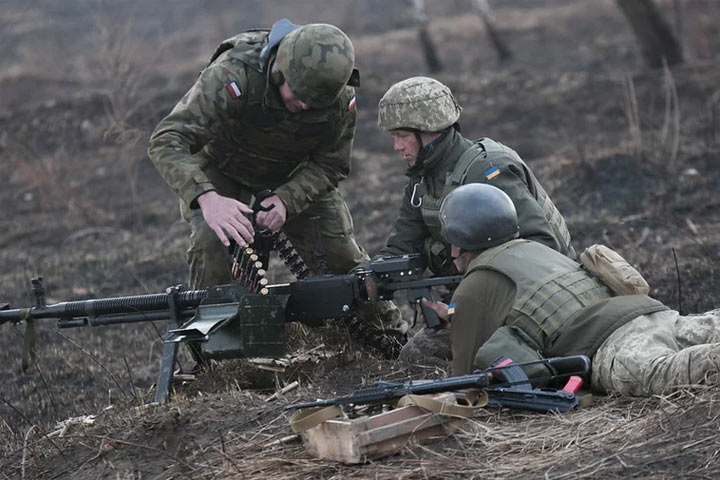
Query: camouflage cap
x=316, y=60
x=418, y=103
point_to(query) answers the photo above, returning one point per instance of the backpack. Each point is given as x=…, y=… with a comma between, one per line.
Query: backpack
x=614, y=271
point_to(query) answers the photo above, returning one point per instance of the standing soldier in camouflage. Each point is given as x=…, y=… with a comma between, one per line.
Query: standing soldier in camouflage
x=520, y=299
x=422, y=116
x=272, y=110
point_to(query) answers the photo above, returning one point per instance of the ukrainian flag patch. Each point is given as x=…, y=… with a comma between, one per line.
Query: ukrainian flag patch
x=492, y=173
x=451, y=308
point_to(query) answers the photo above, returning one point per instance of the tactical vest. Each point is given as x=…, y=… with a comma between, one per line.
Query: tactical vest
x=430, y=205
x=486, y=148
x=551, y=288
x=264, y=145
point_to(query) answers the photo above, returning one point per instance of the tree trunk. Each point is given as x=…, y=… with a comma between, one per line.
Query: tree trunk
x=482, y=7
x=653, y=33
x=426, y=42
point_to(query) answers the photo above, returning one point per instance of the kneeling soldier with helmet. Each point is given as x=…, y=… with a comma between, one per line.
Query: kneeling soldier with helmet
x=422, y=115
x=521, y=299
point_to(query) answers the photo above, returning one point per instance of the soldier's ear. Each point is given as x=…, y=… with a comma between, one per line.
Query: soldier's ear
x=276, y=76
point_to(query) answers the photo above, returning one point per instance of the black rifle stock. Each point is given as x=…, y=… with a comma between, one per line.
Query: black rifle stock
x=226, y=320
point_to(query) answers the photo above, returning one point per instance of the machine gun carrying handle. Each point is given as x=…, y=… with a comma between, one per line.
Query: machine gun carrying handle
x=263, y=237
x=259, y=197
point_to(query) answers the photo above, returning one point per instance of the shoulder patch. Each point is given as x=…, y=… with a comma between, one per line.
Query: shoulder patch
x=351, y=103
x=492, y=173
x=234, y=90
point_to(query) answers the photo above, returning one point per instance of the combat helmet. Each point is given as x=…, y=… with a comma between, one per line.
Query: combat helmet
x=477, y=216
x=418, y=103
x=316, y=60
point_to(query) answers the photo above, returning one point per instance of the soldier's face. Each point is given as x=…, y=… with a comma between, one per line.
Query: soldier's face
x=460, y=260
x=406, y=144
x=292, y=103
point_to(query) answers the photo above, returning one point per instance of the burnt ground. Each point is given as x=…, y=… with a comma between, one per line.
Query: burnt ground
x=84, y=84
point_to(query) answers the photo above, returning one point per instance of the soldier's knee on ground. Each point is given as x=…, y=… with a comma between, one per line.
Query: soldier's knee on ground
x=384, y=316
x=428, y=347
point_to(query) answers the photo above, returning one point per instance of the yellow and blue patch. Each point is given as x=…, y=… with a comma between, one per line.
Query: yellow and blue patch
x=451, y=308
x=492, y=173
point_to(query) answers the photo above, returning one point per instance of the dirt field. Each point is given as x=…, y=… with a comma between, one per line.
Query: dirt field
x=82, y=86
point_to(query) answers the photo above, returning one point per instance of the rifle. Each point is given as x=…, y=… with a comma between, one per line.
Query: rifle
x=505, y=393
x=229, y=321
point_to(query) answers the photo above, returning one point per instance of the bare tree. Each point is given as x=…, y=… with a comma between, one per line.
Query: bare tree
x=653, y=33
x=426, y=41
x=482, y=7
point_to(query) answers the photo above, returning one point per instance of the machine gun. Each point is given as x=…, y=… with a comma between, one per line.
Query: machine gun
x=228, y=321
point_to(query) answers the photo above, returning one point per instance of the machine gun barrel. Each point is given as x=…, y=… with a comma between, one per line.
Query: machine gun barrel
x=104, y=306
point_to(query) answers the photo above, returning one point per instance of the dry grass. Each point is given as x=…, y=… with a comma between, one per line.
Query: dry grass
x=217, y=427
x=661, y=437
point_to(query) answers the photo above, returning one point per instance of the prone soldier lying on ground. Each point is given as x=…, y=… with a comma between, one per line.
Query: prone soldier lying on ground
x=525, y=300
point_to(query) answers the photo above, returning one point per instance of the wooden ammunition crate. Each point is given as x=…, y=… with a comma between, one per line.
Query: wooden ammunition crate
x=366, y=438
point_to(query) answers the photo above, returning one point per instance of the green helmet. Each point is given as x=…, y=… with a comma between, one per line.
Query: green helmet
x=477, y=216
x=418, y=103
x=316, y=60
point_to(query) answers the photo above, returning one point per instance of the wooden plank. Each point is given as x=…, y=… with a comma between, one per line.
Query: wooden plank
x=415, y=425
x=370, y=437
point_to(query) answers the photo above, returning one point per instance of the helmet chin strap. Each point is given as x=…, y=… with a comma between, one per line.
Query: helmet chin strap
x=426, y=150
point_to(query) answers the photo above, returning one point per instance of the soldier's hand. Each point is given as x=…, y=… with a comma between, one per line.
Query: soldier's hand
x=274, y=218
x=440, y=308
x=226, y=217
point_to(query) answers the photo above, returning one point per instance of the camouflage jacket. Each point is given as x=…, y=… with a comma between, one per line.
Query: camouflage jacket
x=234, y=117
x=499, y=166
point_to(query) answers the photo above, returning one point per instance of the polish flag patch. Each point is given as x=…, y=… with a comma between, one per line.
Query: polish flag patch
x=351, y=103
x=234, y=90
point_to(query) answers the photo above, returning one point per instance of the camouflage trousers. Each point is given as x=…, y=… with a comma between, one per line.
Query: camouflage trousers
x=327, y=218
x=428, y=347
x=653, y=353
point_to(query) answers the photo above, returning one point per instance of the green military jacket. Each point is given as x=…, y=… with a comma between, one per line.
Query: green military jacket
x=234, y=117
x=457, y=161
x=560, y=307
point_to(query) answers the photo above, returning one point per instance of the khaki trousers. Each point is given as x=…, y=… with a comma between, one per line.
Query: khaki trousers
x=654, y=353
